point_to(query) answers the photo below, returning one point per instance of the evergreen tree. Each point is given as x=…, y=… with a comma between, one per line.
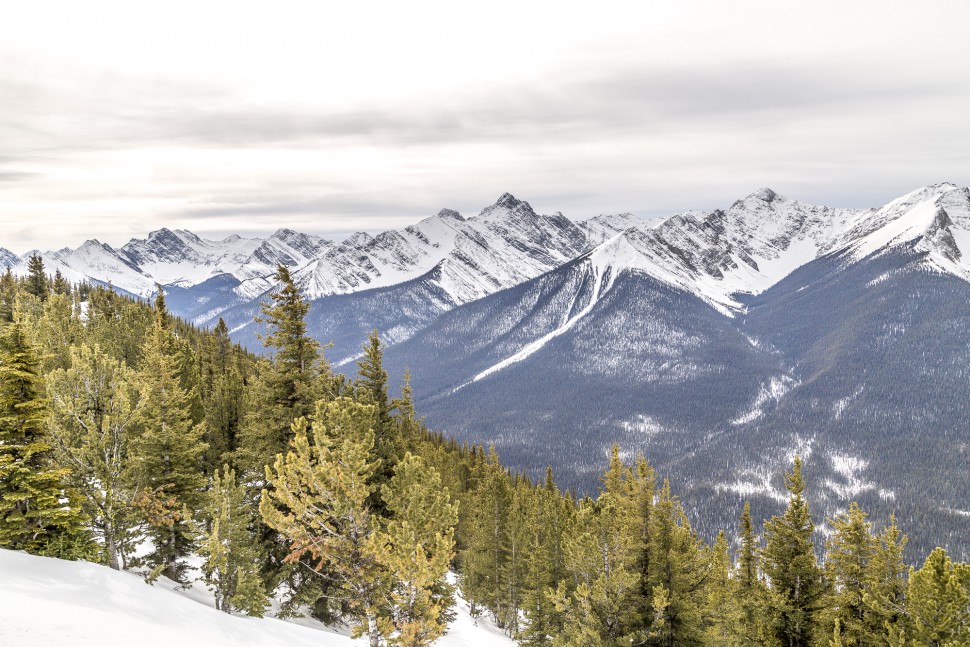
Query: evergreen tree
x=416, y=546
x=602, y=558
x=229, y=547
x=788, y=559
x=720, y=606
x=483, y=561
x=37, y=514
x=886, y=597
x=8, y=296
x=939, y=602
x=545, y=525
x=847, y=561
x=60, y=285
x=167, y=450
x=371, y=387
x=318, y=502
x=372, y=378
x=37, y=284
x=55, y=331
x=678, y=575
x=93, y=409
x=287, y=387
x=748, y=588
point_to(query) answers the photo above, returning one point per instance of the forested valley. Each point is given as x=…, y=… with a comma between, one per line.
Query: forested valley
x=131, y=438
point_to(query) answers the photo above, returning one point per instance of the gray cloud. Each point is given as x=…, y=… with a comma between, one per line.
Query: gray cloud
x=120, y=113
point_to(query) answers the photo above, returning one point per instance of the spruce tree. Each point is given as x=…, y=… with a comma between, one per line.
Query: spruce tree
x=788, y=560
x=939, y=602
x=371, y=387
x=848, y=555
x=747, y=587
x=33, y=513
x=886, y=597
x=288, y=386
x=167, y=449
x=37, y=283
x=8, y=296
x=60, y=285
x=230, y=548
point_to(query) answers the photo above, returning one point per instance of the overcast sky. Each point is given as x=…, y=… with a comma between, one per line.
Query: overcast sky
x=117, y=118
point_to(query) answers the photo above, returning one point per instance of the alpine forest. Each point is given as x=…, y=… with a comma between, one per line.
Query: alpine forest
x=133, y=439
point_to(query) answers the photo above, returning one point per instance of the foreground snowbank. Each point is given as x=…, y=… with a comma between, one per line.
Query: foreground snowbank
x=46, y=602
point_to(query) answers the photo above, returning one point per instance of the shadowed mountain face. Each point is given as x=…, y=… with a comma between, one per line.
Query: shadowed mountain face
x=860, y=367
x=718, y=344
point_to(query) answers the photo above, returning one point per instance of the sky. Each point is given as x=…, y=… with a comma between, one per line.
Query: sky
x=119, y=118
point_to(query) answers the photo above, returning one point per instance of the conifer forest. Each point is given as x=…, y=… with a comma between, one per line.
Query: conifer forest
x=135, y=440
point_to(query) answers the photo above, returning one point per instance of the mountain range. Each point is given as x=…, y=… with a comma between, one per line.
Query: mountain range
x=718, y=343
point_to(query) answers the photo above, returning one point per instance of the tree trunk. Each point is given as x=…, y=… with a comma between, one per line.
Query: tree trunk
x=372, y=632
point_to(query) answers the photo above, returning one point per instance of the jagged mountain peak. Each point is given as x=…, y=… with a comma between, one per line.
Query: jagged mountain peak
x=765, y=194
x=507, y=205
x=358, y=239
x=450, y=214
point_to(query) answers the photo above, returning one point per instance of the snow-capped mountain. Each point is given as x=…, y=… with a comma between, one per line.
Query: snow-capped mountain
x=176, y=258
x=504, y=245
x=7, y=258
x=716, y=342
x=179, y=257
x=720, y=343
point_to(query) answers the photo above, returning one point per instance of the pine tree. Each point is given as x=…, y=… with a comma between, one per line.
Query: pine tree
x=8, y=296
x=545, y=526
x=678, y=575
x=747, y=587
x=93, y=409
x=317, y=499
x=886, y=598
x=847, y=561
x=37, y=513
x=788, y=559
x=167, y=450
x=602, y=559
x=37, y=284
x=721, y=606
x=939, y=602
x=371, y=387
x=229, y=547
x=483, y=560
x=416, y=547
x=288, y=387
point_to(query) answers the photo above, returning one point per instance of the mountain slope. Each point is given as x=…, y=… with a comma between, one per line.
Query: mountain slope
x=858, y=355
x=46, y=601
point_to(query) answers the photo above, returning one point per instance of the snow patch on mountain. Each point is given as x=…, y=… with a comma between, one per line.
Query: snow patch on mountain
x=753, y=482
x=772, y=392
x=571, y=320
x=850, y=469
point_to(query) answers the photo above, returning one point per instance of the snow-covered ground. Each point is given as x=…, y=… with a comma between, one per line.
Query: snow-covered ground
x=45, y=602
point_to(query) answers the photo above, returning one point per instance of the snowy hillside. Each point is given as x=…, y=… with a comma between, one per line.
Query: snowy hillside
x=45, y=601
